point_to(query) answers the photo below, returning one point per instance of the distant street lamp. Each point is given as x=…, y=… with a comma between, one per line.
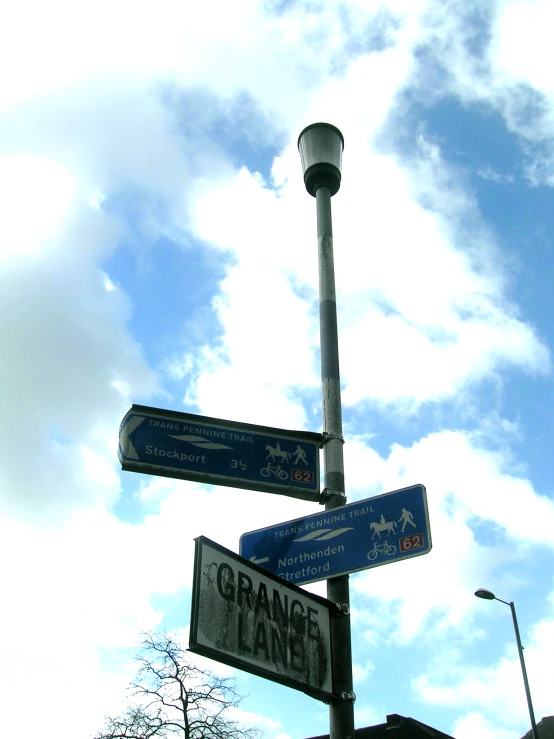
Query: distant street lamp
x=320, y=147
x=487, y=595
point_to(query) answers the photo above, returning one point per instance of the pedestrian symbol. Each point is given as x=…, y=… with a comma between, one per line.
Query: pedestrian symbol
x=406, y=517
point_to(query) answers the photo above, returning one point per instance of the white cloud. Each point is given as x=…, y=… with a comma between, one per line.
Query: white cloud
x=475, y=725
x=460, y=465
x=268, y=726
x=262, y=320
x=367, y=716
x=496, y=57
x=427, y=289
x=521, y=46
x=220, y=513
x=73, y=592
x=36, y=196
x=362, y=672
x=65, y=350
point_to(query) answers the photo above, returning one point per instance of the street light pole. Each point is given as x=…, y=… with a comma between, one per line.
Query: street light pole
x=321, y=148
x=487, y=595
x=523, y=670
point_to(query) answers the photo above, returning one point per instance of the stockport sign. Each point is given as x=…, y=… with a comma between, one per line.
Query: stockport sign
x=219, y=452
x=246, y=617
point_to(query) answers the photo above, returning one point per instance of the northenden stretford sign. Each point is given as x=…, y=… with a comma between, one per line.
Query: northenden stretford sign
x=371, y=532
x=250, y=619
x=219, y=452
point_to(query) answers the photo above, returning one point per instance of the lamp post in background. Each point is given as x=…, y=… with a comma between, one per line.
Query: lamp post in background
x=321, y=146
x=487, y=595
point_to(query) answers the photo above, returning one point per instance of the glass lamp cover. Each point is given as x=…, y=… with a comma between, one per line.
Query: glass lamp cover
x=321, y=146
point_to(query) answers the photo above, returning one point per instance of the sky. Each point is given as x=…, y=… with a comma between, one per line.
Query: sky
x=157, y=246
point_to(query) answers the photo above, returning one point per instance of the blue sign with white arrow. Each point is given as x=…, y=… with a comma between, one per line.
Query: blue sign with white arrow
x=219, y=452
x=368, y=533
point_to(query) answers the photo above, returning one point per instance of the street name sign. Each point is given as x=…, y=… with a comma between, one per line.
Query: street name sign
x=368, y=533
x=219, y=452
x=246, y=617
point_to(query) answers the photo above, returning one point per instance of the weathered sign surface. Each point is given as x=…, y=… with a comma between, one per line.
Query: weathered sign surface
x=250, y=619
x=220, y=452
x=368, y=533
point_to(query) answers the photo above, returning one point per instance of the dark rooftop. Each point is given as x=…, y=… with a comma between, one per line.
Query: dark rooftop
x=399, y=727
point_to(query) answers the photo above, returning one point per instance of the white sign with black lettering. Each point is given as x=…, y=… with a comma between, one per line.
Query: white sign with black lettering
x=248, y=618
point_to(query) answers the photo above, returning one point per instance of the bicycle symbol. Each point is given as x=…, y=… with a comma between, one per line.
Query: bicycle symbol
x=384, y=548
x=274, y=469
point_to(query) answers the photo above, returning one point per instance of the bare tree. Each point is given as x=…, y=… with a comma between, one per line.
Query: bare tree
x=171, y=697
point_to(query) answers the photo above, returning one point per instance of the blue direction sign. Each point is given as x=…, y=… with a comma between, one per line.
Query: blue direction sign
x=211, y=450
x=369, y=533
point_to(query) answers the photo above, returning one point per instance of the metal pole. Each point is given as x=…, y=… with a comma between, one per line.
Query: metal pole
x=524, y=671
x=341, y=711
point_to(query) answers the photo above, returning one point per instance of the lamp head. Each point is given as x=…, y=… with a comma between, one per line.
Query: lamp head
x=485, y=594
x=321, y=146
